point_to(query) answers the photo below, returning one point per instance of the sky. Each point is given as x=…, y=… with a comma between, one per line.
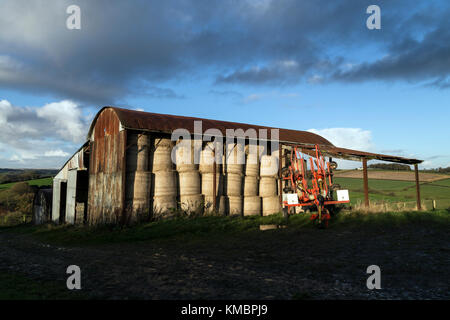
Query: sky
x=304, y=65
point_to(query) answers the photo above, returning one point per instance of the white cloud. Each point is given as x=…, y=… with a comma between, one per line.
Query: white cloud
x=315, y=79
x=288, y=64
x=351, y=138
x=40, y=137
x=66, y=119
x=269, y=95
x=252, y=97
x=56, y=153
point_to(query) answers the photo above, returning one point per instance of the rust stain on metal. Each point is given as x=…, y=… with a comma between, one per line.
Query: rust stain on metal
x=354, y=155
x=106, y=169
x=155, y=122
x=139, y=120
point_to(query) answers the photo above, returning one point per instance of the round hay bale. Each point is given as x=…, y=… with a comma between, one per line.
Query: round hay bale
x=234, y=158
x=207, y=159
x=252, y=162
x=162, y=155
x=221, y=205
x=234, y=205
x=185, y=156
x=252, y=206
x=192, y=204
x=207, y=184
x=251, y=186
x=137, y=190
x=189, y=183
x=165, y=184
x=270, y=205
x=267, y=187
x=137, y=158
x=163, y=206
x=233, y=184
x=269, y=166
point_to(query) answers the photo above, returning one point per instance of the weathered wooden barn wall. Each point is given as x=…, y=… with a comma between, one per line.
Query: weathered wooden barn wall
x=42, y=206
x=106, y=170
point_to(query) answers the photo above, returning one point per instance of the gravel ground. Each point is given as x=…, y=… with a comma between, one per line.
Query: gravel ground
x=278, y=264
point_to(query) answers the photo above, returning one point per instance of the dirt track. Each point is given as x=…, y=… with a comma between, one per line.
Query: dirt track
x=280, y=264
x=391, y=175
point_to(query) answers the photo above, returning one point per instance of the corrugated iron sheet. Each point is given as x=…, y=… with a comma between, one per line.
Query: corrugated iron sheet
x=357, y=155
x=106, y=169
x=139, y=120
x=343, y=153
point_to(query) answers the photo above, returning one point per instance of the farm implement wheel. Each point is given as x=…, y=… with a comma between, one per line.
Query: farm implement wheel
x=321, y=218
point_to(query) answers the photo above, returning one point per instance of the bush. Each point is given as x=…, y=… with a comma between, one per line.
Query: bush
x=21, y=188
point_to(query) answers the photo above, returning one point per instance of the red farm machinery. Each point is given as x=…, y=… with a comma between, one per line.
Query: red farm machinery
x=310, y=188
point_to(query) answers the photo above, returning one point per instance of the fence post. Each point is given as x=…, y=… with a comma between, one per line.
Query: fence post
x=366, y=183
x=416, y=171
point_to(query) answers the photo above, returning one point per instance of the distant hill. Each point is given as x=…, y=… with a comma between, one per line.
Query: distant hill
x=16, y=175
x=390, y=166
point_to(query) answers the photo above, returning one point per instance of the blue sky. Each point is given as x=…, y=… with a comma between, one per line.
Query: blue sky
x=305, y=65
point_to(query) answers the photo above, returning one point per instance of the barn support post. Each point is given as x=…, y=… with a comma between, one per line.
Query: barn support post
x=280, y=184
x=214, y=177
x=366, y=183
x=416, y=171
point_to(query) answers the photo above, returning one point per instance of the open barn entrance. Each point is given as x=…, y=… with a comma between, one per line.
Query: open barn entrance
x=62, y=202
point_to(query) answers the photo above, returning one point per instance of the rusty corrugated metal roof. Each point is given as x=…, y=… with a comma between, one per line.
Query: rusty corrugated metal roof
x=140, y=120
x=357, y=155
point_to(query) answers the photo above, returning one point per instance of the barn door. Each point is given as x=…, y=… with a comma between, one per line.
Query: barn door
x=71, y=196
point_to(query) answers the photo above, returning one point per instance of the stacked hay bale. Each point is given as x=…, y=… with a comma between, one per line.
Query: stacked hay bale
x=191, y=199
x=234, y=176
x=252, y=201
x=206, y=168
x=268, y=184
x=138, y=177
x=164, y=186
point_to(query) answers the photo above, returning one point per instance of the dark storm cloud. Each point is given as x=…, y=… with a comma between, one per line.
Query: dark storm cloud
x=123, y=44
x=410, y=60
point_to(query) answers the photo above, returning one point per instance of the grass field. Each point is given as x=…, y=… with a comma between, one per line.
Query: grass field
x=36, y=182
x=213, y=227
x=398, y=191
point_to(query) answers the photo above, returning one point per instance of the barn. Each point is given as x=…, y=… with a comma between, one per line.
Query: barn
x=138, y=165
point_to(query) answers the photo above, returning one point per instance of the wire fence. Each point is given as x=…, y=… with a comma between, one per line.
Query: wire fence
x=384, y=206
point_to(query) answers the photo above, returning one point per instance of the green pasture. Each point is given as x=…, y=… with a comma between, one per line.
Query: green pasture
x=398, y=191
x=35, y=182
